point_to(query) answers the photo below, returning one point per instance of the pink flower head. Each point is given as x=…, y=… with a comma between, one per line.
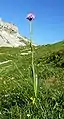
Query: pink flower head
x=30, y=17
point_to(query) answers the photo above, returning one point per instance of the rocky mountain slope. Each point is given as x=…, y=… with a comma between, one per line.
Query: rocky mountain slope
x=10, y=36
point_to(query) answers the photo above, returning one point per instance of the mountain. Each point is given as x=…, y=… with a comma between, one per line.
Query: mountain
x=10, y=36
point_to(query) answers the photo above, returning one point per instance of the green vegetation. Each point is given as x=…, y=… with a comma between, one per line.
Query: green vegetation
x=16, y=82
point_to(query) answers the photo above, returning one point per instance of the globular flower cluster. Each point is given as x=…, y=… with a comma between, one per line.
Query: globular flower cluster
x=30, y=17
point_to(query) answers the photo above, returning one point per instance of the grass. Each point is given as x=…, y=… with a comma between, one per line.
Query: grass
x=16, y=83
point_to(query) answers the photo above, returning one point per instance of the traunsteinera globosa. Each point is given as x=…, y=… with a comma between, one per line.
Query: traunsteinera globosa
x=30, y=18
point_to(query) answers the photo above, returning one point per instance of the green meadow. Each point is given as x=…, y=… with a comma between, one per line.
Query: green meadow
x=16, y=82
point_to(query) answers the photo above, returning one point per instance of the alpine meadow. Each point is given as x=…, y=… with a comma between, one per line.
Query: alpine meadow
x=16, y=82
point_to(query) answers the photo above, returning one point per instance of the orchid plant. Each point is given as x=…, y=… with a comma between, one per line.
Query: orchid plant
x=30, y=18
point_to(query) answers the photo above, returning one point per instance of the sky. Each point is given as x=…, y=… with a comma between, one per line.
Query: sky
x=48, y=26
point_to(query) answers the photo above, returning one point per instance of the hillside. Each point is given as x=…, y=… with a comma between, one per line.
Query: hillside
x=16, y=82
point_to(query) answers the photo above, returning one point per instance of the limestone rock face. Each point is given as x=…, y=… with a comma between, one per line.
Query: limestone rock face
x=10, y=36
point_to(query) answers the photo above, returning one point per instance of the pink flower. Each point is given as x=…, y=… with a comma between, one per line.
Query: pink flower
x=30, y=17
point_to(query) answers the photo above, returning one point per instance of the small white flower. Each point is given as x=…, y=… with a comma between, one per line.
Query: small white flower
x=6, y=95
x=28, y=115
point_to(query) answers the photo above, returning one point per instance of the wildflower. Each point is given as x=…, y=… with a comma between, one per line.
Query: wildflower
x=7, y=95
x=30, y=17
x=28, y=115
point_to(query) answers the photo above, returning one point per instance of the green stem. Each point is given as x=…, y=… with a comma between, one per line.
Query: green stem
x=32, y=51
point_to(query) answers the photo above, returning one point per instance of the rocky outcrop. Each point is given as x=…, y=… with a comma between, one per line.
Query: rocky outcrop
x=10, y=36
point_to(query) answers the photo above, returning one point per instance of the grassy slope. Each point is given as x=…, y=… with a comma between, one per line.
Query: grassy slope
x=16, y=83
